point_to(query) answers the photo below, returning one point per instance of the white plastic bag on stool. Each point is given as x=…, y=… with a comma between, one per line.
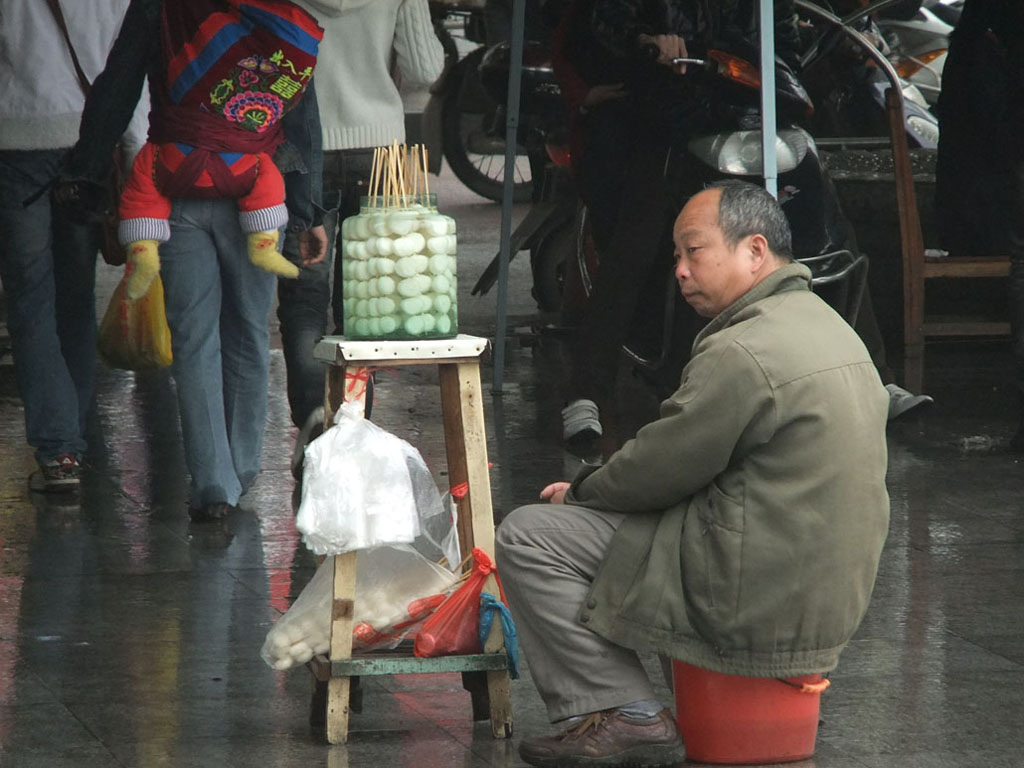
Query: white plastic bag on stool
x=396, y=589
x=357, y=489
x=439, y=533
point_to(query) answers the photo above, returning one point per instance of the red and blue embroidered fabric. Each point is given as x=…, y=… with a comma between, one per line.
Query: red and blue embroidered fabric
x=233, y=69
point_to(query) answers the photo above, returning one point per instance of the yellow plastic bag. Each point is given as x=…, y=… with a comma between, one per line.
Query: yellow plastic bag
x=134, y=334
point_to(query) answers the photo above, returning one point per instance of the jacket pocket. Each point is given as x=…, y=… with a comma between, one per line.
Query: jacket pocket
x=720, y=523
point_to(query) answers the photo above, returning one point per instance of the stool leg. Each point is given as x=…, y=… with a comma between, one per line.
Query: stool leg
x=476, y=684
x=318, y=704
x=337, y=710
x=500, y=700
x=338, y=688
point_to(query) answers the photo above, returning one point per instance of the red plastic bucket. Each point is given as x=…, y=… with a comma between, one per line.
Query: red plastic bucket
x=746, y=720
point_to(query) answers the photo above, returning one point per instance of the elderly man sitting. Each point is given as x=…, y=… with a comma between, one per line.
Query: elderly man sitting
x=739, y=532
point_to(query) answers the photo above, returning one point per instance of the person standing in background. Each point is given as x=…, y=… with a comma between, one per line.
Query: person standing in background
x=218, y=302
x=48, y=262
x=360, y=109
x=979, y=173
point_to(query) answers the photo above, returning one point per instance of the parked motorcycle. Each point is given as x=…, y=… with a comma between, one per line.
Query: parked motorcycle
x=918, y=44
x=848, y=88
x=462, y=119
x=546, y=231
x=729, y=146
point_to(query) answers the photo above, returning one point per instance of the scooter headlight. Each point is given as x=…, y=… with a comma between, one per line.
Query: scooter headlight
x=739, y=153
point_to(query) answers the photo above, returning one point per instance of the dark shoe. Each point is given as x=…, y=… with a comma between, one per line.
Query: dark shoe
x=311, y=430
x=609, y=739
x=216, y=511
x=62, y=475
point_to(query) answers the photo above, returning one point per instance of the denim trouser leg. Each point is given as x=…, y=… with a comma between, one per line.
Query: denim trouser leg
x=47, y=265
x=218, y=306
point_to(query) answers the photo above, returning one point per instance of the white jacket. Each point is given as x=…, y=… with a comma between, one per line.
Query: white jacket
x=42, y=99
x=360, y=105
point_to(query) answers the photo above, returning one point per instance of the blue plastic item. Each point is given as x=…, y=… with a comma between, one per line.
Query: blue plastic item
x=489, y=605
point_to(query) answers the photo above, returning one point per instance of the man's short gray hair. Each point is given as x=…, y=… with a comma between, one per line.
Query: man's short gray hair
x=746, y=209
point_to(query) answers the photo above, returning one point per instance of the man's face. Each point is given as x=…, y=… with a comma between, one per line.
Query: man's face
x=711, y=275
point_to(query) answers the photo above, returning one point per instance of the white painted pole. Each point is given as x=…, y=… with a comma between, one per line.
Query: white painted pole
x=515, y=75
x=768, y=128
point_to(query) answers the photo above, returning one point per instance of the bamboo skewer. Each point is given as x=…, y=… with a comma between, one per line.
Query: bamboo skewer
x=426, y=175
x=399, y=175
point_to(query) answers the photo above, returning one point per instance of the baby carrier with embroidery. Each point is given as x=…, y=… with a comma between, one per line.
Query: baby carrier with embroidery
x=233, y=69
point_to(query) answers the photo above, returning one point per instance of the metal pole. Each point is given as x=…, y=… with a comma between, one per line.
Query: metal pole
x=515, y=74
x=768, y=155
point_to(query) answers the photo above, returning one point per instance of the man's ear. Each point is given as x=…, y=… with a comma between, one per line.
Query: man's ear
x=759, y=252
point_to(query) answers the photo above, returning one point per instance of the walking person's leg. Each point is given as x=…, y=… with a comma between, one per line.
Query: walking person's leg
x=45, y=383
x=1016, y=246
x=356, y=165
x=192, y=285
x=303, y=308
x=645, y=216
x=74, y=273
x=247, y=294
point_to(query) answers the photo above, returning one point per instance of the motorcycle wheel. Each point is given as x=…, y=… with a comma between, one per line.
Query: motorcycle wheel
x=549, y=260
x=476, y=155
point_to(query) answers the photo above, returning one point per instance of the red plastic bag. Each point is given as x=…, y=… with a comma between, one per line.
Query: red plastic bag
x=453, y=627
x=364, y=635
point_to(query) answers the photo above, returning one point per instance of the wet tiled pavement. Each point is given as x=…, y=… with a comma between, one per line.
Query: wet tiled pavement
x=130, y=637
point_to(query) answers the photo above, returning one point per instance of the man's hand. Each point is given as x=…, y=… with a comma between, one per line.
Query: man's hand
x=669, y=47
x=555, y=493
x=599, y=94
x=82, y=201
x=312, y=245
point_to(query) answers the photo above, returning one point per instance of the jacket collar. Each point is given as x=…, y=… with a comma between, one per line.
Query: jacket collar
x=791, y=277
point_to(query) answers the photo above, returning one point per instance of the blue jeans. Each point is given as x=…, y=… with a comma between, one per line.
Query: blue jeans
x=218, y=308
x=303, y=303
x=48, y=269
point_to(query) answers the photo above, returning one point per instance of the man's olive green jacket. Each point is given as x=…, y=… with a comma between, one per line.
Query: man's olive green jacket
x=756, y=504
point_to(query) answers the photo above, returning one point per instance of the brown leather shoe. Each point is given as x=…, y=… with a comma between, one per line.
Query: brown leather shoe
x=609, y=739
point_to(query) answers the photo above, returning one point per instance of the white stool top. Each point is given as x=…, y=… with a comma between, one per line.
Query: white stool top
x=337, y=350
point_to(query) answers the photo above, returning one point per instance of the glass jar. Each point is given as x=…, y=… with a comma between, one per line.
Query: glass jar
x=398, y=270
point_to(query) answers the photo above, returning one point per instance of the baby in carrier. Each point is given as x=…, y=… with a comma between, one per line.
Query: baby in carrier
x=233, y=69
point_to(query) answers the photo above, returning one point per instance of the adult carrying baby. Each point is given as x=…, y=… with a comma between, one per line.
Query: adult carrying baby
x=232, y=70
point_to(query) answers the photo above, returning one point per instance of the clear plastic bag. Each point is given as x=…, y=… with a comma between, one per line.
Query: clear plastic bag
x=397, y=588
x=363, y=487
x=439, y=534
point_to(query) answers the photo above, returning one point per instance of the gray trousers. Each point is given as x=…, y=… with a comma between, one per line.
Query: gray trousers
x=548, y=556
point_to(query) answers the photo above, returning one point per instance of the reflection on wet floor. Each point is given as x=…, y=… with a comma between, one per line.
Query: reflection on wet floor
x=130, y=637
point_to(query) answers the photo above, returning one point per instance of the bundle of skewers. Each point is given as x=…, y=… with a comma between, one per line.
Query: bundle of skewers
x=398, y=258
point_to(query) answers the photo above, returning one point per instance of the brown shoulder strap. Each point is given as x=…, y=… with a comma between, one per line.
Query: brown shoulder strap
x=59, y=16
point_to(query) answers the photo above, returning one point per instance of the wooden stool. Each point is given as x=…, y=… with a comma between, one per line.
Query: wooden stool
x=485, y=674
